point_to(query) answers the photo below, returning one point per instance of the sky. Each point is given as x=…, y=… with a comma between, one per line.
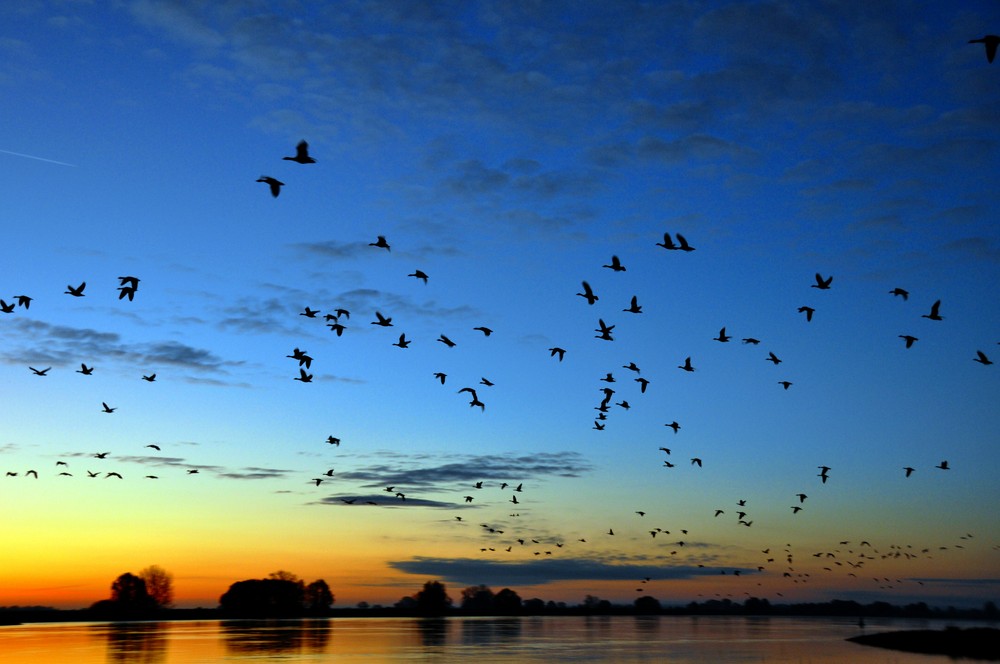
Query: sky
x=507, y=150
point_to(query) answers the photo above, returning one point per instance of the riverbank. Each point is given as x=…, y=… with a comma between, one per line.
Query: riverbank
x=981, y=643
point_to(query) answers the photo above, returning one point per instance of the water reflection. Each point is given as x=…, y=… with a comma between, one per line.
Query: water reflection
x=275, y=637
x=142, y=642
x=433, y=632
x=489, y=632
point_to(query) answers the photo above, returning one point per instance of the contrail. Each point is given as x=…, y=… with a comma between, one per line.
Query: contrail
x=28, y=156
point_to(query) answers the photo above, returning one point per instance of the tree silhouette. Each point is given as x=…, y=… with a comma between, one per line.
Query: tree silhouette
x=506, y=602
x=159, y=585
x=129, y=598
x=318, y=597
x=647, y=605
x=477, y=599
x=433, y=599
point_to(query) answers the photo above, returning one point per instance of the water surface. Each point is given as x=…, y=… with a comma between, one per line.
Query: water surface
x=689, y=639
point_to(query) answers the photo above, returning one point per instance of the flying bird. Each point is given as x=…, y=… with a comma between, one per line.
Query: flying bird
x=130, y=282
x=808, y=311
x=900, y=293
x=785, y=383
x=588, y=294
x=943, y=465
x=274, y=185
x=155, y=447
x=23, y=301
x=40, y=372
x=635, y=307
x=126, y=291
x=981, y=358
x=85, y=370
x=909, y=470
x=485, y=330
x=440, y=376
x=304, y=377
x=150, y=378
x=687, y=365
x=934, y=315
x=723, y=337
x=616, y=265
x=380, y=243
x=605, y=330
x=403, y=341
x=771, y=357
x=332, y=440
x=561, y=352
x=683, y=243
x=821, y=283
x=909, y=339
x=751, y=340
x=667, y=243
x=446, y=341
x=642, y=384
x=6, y=308
x=675, y=426
x=382, y=320
x=419, y=274
x=309, y=313
x=301, y=154
x=990, y=42
x=76, y=292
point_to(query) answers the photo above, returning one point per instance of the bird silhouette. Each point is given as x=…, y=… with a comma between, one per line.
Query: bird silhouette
x=682, y=243
x=908, y=339
x=301, y=154
x=155, y=447
x=605, y=330
x=485, y=330
x=403, y=341
x=309, y=313
x=304, y=377
x=23, y=301
x=85, y=370
x=126, y=291
x=419, y=274
x=76, y=292
x=934, y=315
x=687, y=365
x=808, y=311
x=107, y=408
x=616, y=265
x=981, y=358
x=440, y=376
x=555, y=350
x=667, y=243
x=696, y=461
x=909, y=470
x=675, y=426
x=588, y=294
x=990, y=42
x=943, y=465
x=634, y=308
x=6, y=308
x=150, y=378
x=723, y=337
x=274, y=185
x=380, y=243
x=333, y=440
x=129, y=281
x=751, y=340
x=785, y=383
x=771, y=357
x=382, y=320
x=446, y=341
x=642, y=384
x=899, y=292
x=821, y=283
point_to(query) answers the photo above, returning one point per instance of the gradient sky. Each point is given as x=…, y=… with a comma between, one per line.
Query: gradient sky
x=508, y=150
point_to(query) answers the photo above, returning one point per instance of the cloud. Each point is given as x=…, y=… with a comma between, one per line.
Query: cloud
x=468, y=571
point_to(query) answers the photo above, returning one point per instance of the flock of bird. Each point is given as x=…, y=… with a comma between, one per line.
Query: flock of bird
x=494, y=537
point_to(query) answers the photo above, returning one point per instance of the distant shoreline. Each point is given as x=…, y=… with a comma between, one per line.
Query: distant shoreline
x=974, y=642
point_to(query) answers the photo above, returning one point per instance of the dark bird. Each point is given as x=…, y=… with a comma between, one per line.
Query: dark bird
x=23, y=301
x=673, y=425
x=555, y=350
x=468, y=499
x=751, y=340
x=635, y=307
x=696, y=460
x=598, y=426
x=150, y=378
x=192, y=471
x=130, y=282
x=687, y=365
x=40, y=372
x=631, y=366
x=302, y=357
x=909, y=339
x=403, y=341
x=304, y=377
x=309, y=313
x=6, y=308
x=85, y=370
x=802, y=497
x=419, y=274
x=665, y=449
x=808, y=311
x=723, y=337
x=301, y=154
x=667, y=242
x=446, y=341
x=332, y=440
x=900, y=292
x=380, y=243
x=682, y=243
x=771, y=357
x=440, y=376
x=342, y=312
x=909, y=470
x=485, y=381
x=616, y=265
x=796, y=509
x=76, y=292
x=107, y=408
x=943, y=465
x=33, y=473
x=934, y=315
x=642, y=384
x=990, y=42
x=382, y=320
x=485, y=330
x=588, y=294
x=609, y=378
x=126, y=291
x=113, y=474
x=821, y=283
x=273, y=184
x=605, y=330
x=718, y=512
x=981, y=358
x=154, y=447
x=785, y=383
x=102, y=455
x=337, y=327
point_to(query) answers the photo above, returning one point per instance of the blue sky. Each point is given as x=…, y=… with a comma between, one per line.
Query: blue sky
x=508, y=150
